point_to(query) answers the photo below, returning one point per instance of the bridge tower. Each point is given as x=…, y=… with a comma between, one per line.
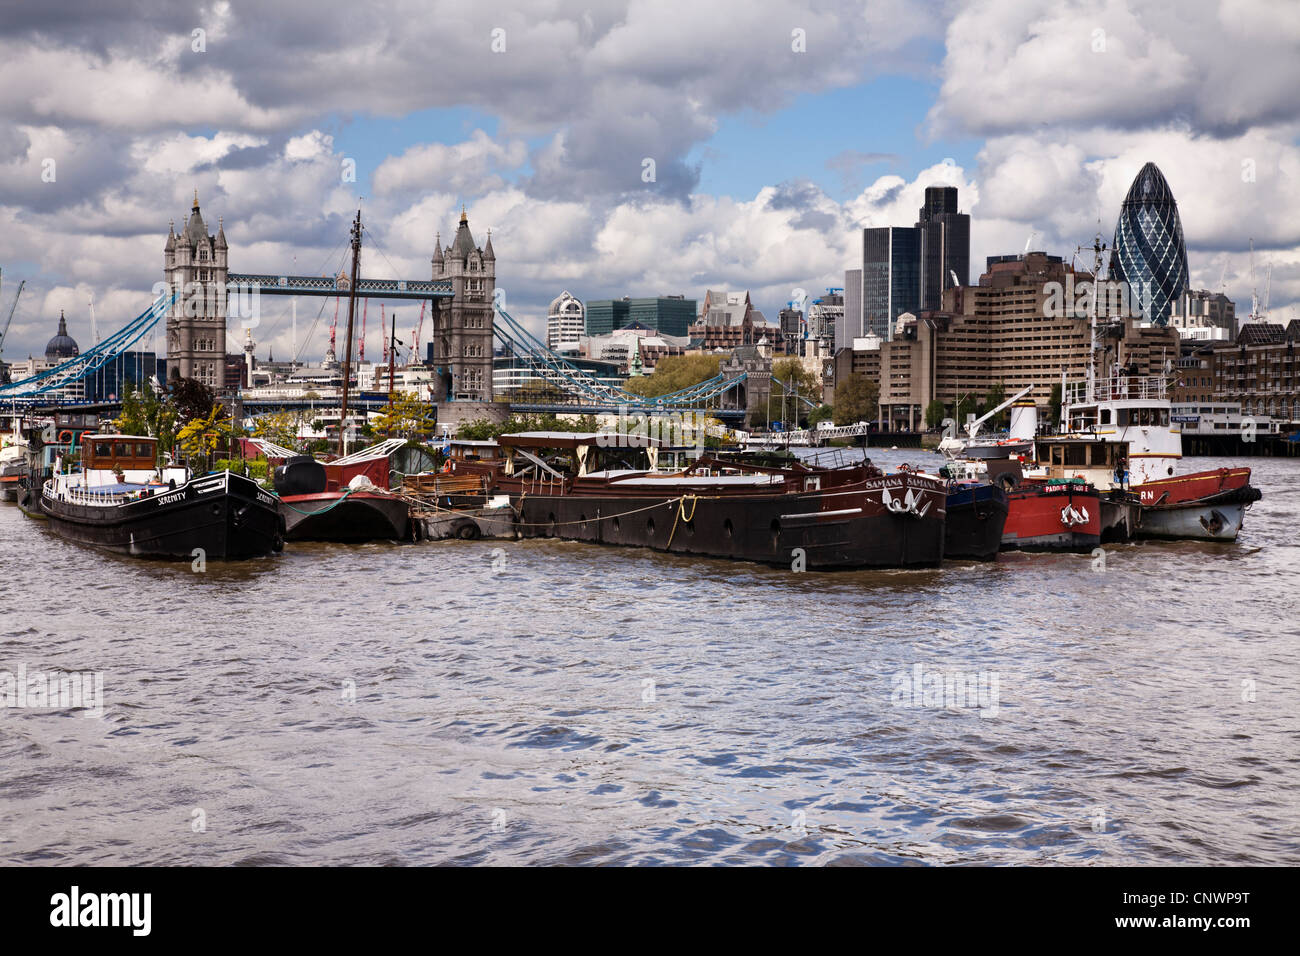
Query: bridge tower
x=195, y=267
x=462, y=325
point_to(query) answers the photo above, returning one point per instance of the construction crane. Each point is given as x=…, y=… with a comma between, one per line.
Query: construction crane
x=415, y=336
x=1258, y=309
x=9, y=319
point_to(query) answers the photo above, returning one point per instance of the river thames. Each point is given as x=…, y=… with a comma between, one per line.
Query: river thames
x=549, y=702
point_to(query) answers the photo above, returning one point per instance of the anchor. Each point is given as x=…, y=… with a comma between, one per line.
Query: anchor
x=1071, y=517
x=908, y=504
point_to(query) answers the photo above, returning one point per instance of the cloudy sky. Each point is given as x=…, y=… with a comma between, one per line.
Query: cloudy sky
x=775, y=130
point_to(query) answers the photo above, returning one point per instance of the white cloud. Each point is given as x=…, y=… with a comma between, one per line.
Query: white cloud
x=467, y=167
x=1218, y=67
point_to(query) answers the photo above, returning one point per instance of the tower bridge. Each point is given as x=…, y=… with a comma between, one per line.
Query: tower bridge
x=200, y=294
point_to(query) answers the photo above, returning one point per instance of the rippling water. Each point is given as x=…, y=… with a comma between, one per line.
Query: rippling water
x=549, y=702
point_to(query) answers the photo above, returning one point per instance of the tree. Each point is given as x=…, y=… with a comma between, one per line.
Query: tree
x=483, y=430
x=673, y=373
x=281, y=428
x=191, y=399
x=406, y=417
x=857, y=399
x=199, y=437
x=820, y=414
x=144, y=412
x=995, y=396
x=791, y=378
x=1054, y=406
x=935, y=413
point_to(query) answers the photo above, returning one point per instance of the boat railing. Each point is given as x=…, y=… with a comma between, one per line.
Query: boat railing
x=82, y=496
x=1119, y=387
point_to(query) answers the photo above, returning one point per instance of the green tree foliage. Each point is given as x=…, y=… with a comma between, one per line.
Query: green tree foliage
x=407, y=417
x=280, y=428
x=484, y=430
x=145, y=412
x=995, y=396
x=191, y=399
x=820, y=414
x=673, y=373
x=199, y=437
x=857, y=399
x=1054, y=406
x=935, y=413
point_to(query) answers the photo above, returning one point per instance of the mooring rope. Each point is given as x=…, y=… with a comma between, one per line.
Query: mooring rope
x=322, y=511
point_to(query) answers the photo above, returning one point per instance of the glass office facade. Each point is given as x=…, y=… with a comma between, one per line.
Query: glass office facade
x=1148, y=251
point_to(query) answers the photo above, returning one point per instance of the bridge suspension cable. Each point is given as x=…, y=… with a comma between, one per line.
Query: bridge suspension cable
x=555, y=369
x=79, y=367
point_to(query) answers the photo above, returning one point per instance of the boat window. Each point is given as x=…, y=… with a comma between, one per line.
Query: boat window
x=1121, y=417
x=1056, y=454
x=1105, y=416
x=1162, y=417
x=123, y=449
x=143, y=450
x=103, y=449
x=1076, y=455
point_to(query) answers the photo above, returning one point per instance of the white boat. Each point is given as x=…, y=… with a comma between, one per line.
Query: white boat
x=1121, y=434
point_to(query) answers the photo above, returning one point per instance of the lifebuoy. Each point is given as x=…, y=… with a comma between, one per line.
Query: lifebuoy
x=65, y=436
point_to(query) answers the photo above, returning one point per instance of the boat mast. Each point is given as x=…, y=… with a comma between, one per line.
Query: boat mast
x=392, y=361
x=1098, y=247
x=347, y=355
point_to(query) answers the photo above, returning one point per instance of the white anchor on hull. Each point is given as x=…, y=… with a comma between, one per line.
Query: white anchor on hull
x=1071, y=517
x=910, y=503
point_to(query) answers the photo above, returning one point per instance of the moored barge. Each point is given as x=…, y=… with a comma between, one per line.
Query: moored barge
x=120, y=501
x=603, y=488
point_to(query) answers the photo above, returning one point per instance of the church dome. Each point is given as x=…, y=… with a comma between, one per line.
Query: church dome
x=62, y=346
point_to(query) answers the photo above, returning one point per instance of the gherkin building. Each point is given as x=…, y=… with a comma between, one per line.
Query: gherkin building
x=1148, y=251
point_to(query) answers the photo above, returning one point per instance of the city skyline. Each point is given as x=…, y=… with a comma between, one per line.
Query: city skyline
x=762, y=180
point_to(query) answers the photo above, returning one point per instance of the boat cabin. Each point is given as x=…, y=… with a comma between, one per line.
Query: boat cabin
x=578, y=454
x=118, y=453
x=1100, y=463
x=468, y=450
x=1132, y=414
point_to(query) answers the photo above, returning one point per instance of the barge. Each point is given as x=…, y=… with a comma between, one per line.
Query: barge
x=604, y=489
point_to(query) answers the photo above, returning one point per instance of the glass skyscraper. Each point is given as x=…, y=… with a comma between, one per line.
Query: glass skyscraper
x=1148, y=252
x=891, y=276
x=945, y=245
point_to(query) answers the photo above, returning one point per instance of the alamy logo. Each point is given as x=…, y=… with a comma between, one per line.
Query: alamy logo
x=103, y=909
x=922, y=688
x=53, y=690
